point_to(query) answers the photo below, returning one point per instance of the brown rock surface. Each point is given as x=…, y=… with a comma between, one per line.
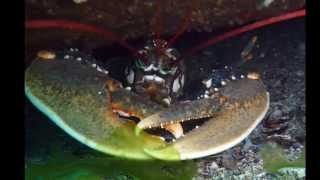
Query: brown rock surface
x=132, y=19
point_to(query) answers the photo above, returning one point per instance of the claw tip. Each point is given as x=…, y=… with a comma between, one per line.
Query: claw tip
x=137, y=131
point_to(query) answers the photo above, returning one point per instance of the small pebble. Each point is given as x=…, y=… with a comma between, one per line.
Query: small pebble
x=300, y=73
x=214, y=165
x=207, y=83
x=253, y=75
x=79, y=1
x=47, y=55
x=276, y=114
x=66, y=57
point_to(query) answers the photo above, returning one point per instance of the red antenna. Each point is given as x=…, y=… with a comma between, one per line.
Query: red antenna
x=184, y=24
x=246, y=28
x=64, y=24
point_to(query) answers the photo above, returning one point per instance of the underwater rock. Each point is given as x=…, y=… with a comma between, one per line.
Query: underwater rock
x=297, y=172
x=132, y=19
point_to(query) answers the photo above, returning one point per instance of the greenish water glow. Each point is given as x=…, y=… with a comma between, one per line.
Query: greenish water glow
x=67, y=166
x=274, y=158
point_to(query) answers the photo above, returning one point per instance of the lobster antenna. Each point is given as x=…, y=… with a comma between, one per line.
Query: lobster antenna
x=184, y=24
x=244, y=29
x=71, y=25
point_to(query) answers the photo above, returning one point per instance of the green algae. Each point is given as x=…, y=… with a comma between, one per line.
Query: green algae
x=67, y=166
x=274, y=159
x=126, y=142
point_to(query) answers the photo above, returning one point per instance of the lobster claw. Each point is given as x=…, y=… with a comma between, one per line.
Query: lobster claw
x=234, y=113
x=74, y=96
